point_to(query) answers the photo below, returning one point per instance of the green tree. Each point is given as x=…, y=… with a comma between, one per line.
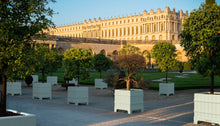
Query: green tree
x=164, y=54
x=48, y=60
x=77, y=63
x=128, y=49
x=133, y=63
x=201, y=41
x=19, y=21
x=101, y=63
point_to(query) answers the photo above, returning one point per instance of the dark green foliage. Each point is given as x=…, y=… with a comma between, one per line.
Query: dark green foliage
x=48, y=60
x=101, y=63
x=28, y=80
x=77, y=63
x=20, y=20
x=164, y=54
x=201, y=41
x=209, y=2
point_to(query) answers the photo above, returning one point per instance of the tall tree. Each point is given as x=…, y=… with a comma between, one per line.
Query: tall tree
x=201, y=41
x=19, y=21
x=164, y=54
x=133, y=63
x=101, y=63
x=48, y=60
x=128, y=49
x=77, y=63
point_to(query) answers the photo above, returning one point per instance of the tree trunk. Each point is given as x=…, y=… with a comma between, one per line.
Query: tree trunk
x=100, y=74
x=3, y=92
x=128, y=84
x=212, y=83
x=166, y=77
x=78, y=81
x=42, y=76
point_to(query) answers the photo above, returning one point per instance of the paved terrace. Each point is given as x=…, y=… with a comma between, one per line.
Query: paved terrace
x=174, y=110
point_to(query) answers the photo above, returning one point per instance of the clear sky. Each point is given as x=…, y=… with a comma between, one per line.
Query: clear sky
x=76, y=11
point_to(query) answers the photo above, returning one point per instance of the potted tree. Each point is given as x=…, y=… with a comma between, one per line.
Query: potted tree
x=18, y=25
x=48, y=60
x=164, y=54
x=101, y=63
x=200, y=39
x=77, y=63
x=129, y=99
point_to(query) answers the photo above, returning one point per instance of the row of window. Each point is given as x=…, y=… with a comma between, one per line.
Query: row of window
x=123, y=21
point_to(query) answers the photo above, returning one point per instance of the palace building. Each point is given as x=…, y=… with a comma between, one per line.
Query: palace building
x=159, y=25
x=109, y=35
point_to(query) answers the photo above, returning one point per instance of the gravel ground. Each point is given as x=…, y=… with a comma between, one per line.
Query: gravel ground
x=176, y=110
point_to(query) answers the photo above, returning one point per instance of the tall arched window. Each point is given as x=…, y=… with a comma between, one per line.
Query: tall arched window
x=146, y=38
x=153, y=37
x=160, y=37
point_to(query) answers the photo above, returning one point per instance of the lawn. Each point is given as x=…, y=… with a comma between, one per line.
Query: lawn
x=190, y=81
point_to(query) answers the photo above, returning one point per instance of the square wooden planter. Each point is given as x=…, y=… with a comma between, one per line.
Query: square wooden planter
x=207, y=107
x=166, y=88
x=99, y=83
x=14, y=88
x=21, y=120
x=52, y=80
x=35, y=78
x=129, y=100
x=78, y=95
x=42, y=90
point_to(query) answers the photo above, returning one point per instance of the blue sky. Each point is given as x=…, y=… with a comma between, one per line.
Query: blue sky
x=75, y=11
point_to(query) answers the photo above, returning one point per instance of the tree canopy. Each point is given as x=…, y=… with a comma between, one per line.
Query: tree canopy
x=101, y=63
x=77, y=63
x=133, y=63
x=128, y=49
x=48, y=60
x=201, y=41
x=164, y=54
x=19, y=21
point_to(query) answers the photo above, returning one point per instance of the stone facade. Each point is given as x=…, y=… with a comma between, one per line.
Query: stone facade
x=159, y=25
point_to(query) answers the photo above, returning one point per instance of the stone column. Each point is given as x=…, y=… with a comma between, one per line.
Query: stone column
x=110, y=33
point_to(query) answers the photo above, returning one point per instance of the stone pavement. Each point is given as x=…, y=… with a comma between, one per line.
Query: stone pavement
x=174, y=110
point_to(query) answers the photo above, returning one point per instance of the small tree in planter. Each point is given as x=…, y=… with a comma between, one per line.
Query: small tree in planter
x=201, y=41
x=49, y=60
x=77, y=63
x=129, y=99
x=101, y=63
x=164, y=54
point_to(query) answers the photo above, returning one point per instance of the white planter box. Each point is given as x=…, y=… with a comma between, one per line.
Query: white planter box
x=207, y=107
x=78, y=95
x=42, y=90
x=129, y=100
x=73, y=81
x=52, y=80
x=166, y=88
x=35, y=78
x=14, y=88
x=21, y=120
x=99, y=83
